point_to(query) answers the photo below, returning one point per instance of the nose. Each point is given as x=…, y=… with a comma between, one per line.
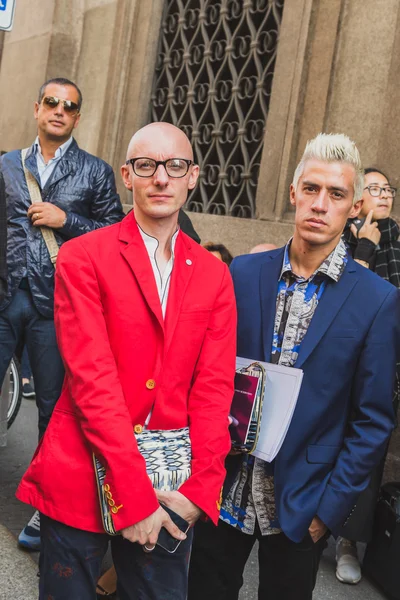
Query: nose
x=161, y=176
x=320, y=203
x=59, y=110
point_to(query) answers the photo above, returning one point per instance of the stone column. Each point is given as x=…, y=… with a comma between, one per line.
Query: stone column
x=135, y=75
x=93, y=69
x=388, y=150
x=359, y=91
x=299, y=98
x=66, y=39
x=2, y=36
x=116, y=71
x=280, y=135
x=23, y=69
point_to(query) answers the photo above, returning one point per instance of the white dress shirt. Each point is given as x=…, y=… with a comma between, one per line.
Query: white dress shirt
x=162, y=279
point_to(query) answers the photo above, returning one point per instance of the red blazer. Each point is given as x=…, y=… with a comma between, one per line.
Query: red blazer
x=122, y=359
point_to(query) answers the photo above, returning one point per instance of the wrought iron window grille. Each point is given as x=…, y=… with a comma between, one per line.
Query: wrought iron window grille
x=213, y=80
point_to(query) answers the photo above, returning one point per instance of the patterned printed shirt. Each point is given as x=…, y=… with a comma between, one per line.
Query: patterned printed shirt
x=251, y=498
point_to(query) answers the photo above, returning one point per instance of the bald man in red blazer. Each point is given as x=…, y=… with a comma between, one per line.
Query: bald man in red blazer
x=139, y=350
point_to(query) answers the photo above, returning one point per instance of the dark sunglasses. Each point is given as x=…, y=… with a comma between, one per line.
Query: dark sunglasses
x=69, y=106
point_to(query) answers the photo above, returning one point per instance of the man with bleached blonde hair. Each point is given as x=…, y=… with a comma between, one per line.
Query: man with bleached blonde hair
x=300, y=306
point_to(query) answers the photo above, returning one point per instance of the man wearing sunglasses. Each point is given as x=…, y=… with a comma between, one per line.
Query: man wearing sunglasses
x=79, y=195
x=146, y=323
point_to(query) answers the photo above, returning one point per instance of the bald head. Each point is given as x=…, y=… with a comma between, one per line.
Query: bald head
x=262, y=248
x=161, y=139
x=159, y=193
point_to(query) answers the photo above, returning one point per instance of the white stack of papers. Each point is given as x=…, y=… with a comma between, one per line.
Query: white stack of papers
x=282, y=388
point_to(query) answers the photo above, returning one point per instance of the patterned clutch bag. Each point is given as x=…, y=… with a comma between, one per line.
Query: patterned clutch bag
x=168, y=463
x=246, y=409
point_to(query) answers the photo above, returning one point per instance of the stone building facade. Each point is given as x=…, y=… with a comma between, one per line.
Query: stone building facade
x=335, y=68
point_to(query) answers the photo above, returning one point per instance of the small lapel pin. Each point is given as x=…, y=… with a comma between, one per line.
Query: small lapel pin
x=188, y=261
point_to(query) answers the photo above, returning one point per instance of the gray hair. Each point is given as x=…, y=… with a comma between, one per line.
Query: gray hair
x=333, y=147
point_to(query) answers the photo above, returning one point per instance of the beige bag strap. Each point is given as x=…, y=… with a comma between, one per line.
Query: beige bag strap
x=36, y=196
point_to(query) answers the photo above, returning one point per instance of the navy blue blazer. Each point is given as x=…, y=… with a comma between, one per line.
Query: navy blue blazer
x=344, y=413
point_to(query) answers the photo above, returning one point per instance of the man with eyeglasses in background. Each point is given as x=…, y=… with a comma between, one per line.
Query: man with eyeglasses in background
x=146, y=324
x=78, y=195
x=373, y=239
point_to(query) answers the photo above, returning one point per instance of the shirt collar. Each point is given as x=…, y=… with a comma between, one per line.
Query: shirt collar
x=333, y=266
x=151, y=242
x=61, y=150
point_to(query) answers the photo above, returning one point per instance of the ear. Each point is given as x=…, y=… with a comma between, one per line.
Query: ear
x=36, y=110
x=193, y=177
x=77, y=119
x=292, y=195
x=126, y=177
x=355, y=209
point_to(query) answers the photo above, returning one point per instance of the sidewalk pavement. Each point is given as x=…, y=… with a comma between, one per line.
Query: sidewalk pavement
x=18, y=572
x=18, y=576
x=18, y=580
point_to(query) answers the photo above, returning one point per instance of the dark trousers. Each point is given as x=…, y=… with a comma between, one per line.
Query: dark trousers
x=21, y=323
x=287, y=570
x=70, y=562
x=26, y=372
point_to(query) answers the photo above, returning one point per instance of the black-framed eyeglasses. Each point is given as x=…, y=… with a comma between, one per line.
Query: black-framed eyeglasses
x=146, y=167
x=376, y=190
x=69, y=106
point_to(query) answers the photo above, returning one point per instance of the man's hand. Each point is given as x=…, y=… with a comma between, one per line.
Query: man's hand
x=146, y=532
x=317, y=529
x=235, y=423
x=46, y=214
x=368, y=230
x=180, y=504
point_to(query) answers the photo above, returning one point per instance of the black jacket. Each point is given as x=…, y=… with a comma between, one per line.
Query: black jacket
x=83, y=186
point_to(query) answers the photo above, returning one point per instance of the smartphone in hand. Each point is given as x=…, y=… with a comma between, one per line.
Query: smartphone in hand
x=165, y=539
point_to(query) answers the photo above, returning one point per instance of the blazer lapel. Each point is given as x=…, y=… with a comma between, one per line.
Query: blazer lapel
x=134, y=252
x=269, y=276
x=184, y=264
x=331, y=302
x=65, y=166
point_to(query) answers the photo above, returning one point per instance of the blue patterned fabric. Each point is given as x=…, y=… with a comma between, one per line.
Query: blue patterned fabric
x=251, y=498
x=297, y=301
x=168, y=456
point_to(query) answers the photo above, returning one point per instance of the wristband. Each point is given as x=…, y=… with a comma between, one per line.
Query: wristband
x=365, y=250
x=64, y=222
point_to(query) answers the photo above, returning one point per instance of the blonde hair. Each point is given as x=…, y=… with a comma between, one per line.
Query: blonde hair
x=333, y=147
